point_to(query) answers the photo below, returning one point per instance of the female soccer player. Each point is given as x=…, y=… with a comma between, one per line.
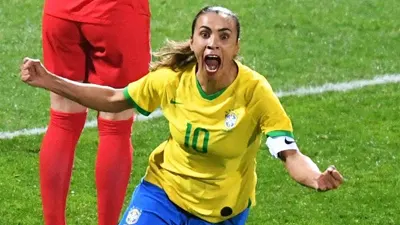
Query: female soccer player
x=101, y=42
x=217, y=110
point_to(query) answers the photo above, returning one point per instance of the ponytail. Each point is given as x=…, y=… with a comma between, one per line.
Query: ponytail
x=174, y=55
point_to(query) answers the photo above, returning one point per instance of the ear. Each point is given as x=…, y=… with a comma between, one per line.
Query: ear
x=237, y=47
x=191, y=43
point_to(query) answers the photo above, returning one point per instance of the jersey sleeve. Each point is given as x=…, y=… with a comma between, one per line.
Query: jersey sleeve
x=145, y=94
x=273, y=120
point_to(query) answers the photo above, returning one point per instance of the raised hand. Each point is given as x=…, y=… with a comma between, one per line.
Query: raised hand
x=34, y=73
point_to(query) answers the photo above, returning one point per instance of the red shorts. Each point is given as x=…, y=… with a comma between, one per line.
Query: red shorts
x=114, y=54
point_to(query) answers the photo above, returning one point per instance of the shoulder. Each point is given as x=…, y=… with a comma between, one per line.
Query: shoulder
x=171, y=74
x=167, y=78
x=162, y=77
x=252, y=81
x=163, y=73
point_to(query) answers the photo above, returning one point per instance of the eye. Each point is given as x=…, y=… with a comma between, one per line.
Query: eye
x=204, y=34
x=224, y=36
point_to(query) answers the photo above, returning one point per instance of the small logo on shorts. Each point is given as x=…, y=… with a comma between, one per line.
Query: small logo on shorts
x=133, y=216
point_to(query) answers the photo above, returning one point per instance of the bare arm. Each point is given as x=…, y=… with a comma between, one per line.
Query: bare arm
x=302, y=169
x=93, y=96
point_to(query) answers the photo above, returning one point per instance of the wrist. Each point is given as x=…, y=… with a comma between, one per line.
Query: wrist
x=50, y=81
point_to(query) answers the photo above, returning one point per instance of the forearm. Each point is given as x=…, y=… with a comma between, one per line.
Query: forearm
x=302, y=169
x=90, y=95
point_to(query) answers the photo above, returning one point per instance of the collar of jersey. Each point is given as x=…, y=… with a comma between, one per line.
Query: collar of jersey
x=216, y=94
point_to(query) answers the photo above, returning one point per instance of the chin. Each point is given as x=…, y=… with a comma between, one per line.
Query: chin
x=212, y=75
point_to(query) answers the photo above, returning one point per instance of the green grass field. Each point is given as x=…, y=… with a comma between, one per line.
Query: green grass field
x=295, y=44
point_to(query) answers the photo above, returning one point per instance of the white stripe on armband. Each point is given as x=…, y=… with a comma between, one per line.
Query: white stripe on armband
x=281, y=143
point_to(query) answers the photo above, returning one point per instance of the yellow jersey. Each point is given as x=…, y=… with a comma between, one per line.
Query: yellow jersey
x=208, y=165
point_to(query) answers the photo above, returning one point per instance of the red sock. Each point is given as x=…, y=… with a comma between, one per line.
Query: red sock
x=113, y=168
x=55, y=161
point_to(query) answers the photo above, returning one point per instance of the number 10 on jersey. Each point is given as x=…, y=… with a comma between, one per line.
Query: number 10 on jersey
x=192, y=138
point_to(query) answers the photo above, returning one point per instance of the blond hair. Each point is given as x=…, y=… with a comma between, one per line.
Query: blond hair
x=174, y=55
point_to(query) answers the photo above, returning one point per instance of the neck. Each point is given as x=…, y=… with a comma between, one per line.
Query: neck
x=223, y=79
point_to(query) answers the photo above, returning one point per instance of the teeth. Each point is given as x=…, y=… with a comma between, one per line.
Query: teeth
x=212, y=56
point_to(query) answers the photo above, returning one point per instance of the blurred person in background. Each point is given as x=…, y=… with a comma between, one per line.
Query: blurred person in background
x=104, y=42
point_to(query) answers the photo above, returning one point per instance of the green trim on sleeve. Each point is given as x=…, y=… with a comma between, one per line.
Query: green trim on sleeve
x=133, y=103
x=279, y=133
x=140, y=110
x=128, y=97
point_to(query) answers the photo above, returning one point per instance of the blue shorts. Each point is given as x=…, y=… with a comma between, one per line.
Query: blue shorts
x=151, y=205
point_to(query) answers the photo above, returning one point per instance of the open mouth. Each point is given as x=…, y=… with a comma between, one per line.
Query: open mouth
x=212, y=63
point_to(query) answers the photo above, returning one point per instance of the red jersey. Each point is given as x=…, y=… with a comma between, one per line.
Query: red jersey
x=94, y=11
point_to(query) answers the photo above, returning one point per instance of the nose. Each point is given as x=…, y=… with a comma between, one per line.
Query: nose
x=212, y=47
x=212, y=43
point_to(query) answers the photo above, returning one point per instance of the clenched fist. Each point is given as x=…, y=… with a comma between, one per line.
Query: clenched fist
x=34, y=73
x=329, y=179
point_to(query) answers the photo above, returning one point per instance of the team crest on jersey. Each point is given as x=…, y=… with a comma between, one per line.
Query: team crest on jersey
x=133, y=216
x=230, y=119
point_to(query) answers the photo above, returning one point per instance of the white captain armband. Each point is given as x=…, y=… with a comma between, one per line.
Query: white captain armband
x=281, y=143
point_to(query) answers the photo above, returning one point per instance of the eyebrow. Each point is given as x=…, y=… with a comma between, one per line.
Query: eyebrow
x=219, y=30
